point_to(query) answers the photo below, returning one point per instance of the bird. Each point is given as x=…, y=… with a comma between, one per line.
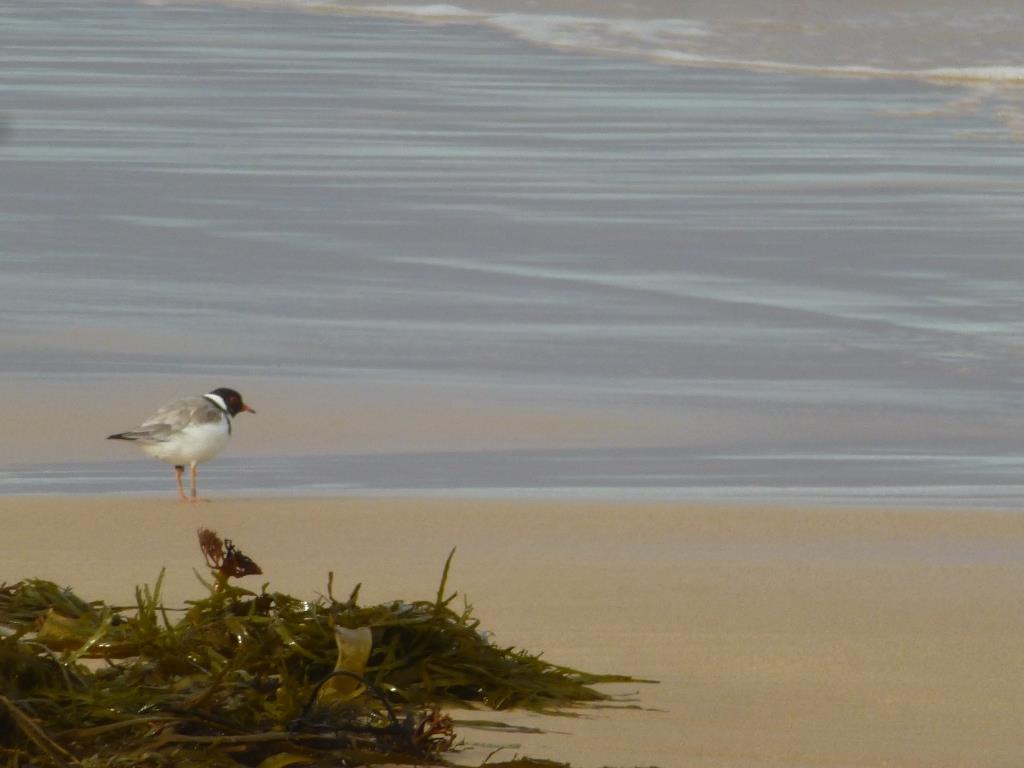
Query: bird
x=188, y=432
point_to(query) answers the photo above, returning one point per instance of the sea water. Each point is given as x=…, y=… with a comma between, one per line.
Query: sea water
x=794, y=232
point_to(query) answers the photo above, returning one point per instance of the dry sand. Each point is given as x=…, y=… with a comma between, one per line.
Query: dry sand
x=781, y=637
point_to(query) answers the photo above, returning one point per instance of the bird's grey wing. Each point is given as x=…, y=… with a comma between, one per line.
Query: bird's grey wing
x=174, y=417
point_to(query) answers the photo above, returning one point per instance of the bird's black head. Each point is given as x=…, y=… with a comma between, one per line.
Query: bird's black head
x=232, y=400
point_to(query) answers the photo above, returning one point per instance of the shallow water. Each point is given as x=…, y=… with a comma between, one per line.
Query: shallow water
x=823, y=273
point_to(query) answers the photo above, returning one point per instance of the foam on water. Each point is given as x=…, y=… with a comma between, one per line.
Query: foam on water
x=904, y=39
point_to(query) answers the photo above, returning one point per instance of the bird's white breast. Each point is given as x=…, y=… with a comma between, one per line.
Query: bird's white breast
x=193, y=444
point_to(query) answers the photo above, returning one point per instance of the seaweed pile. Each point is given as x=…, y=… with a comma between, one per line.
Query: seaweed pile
x=241, y=678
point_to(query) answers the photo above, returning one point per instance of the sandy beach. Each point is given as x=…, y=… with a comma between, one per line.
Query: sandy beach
x=780, y=637
x=618, y=267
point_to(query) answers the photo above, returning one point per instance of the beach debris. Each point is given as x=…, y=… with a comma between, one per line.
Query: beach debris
x=224, y=558
x=241, y=678
x=347, y=680
x=434, y=733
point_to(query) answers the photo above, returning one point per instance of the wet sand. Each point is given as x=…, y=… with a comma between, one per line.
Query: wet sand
x=781, y=637
x=308, y=416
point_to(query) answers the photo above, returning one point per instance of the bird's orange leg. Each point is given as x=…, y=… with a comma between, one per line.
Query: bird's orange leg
x=194, y=472
x=178, y=472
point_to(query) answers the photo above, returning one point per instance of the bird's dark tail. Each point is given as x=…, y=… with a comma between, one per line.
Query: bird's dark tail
x=124, y=436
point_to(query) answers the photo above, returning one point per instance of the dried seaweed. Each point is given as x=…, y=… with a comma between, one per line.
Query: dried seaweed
x=245, y=678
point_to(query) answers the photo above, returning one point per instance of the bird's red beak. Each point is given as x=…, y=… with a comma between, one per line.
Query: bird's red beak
x=247, y=408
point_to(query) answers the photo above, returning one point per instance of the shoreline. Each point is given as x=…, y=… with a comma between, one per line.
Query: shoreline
x=779, y=636
x=622, y=474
